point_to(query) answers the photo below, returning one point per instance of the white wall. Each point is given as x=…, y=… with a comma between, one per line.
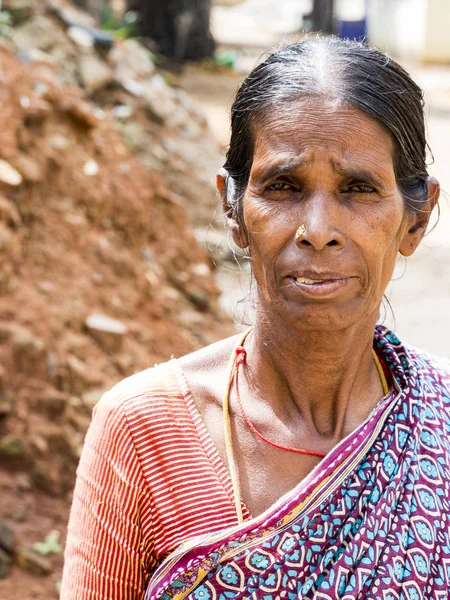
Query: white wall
x=437, y=31
x=398, y=26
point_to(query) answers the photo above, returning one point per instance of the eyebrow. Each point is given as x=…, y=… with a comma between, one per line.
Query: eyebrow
x=281, y=168
x=359, y=174
x=286, y=166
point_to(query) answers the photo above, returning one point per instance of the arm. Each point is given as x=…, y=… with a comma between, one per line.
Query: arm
x=106, y=556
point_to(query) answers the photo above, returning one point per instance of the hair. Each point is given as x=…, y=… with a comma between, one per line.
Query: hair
x=348, y=71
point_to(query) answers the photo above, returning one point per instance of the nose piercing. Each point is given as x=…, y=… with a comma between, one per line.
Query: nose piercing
x=301, y=231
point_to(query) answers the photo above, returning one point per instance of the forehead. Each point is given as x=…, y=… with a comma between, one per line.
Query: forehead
x=322, y=130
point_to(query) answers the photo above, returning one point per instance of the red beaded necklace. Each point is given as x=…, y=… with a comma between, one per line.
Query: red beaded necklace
x=241, y=355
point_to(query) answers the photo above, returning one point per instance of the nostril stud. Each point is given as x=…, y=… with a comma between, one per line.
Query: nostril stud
x=301, y=231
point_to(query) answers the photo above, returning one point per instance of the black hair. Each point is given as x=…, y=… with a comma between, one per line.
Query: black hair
x=351, y=72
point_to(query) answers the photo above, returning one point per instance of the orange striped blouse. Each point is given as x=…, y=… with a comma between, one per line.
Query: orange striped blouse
x=149, y=478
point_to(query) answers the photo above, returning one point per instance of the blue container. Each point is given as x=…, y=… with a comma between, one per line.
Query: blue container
x=353, y=30
x=351, y=19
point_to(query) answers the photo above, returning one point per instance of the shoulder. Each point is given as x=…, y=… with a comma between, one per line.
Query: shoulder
x=433, y=372
x=140, y=391
x=429, y=362
x=206, y=371
x=210, y=357
x=161, y=388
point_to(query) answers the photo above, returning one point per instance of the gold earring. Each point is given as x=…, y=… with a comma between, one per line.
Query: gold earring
x=301, y=231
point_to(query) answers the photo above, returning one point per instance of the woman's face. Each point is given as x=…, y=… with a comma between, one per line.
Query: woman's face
x=330, y=168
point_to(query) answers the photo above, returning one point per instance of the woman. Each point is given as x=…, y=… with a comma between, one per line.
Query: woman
x=311, y=455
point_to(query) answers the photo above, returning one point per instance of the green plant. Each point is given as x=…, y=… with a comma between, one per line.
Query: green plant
x=50, y=545
x=5, y=24
x=122, y=29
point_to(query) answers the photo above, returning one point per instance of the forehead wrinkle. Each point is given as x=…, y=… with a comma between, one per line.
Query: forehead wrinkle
x=367, y=166
x=291, y=119
x=267, y=169
x=287, y=143
x=298, y=139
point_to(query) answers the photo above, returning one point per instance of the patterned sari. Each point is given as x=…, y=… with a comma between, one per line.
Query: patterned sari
x=372, y=520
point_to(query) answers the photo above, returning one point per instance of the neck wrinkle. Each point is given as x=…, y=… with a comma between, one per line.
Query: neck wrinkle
x=321, y=382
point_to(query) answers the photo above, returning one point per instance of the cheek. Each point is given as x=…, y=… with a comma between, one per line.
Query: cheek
x=271, y=220
x=382, y=246
x=269, y=230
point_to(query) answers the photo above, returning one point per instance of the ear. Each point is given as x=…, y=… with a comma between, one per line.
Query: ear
x=225, y=187
x=418, y=222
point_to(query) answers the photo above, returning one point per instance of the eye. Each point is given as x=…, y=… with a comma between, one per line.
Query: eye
x=279, y=186
x=359, y=188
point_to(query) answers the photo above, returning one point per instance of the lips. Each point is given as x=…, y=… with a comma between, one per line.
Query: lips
x=310, y=277
x=307, y=281
x=321, y=285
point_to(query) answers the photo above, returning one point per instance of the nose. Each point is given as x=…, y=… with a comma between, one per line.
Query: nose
x=320, y=218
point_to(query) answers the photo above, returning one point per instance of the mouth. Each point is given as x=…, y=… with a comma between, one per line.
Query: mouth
x=307, y=281
x=321, y=288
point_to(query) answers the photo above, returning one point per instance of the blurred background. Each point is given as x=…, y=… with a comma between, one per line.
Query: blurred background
x=114, y=118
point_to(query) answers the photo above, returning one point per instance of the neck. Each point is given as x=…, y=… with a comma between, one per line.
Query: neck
x=327, y=380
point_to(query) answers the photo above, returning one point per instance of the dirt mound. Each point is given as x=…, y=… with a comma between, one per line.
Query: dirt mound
x=100, y=277
x=155, y=117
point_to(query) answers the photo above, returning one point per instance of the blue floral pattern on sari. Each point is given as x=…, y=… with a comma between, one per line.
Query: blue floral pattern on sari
x=371, y=521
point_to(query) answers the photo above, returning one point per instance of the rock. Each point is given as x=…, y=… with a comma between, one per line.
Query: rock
x=28, y=350
x=191, y=319
x=22, y=482
x=9, y=213
x=39, y=32
x=7, y=239
x=38, y=56
x=80, y=36
x=135, y=135
x=133, y=87
x=130, y=60
x=199, y=298
x=70, y=15
x=29, y=168
x=125, y=363
x=18, y=9
x=109, y=333
x=160, y=98
x=39, y=444
x=201, y=270
x=12, y=447
x=90, y=168
x=5, y=334
x=91, y=398
x=9, y=175
x=122, y=111
x=8, y=539
x=79, y=378
x=95, y=74
x=37, y=110
x=58, y=142
x=65, y=442
x=46, y=287
x=29, y=560
x=5, y=407
x=45, y=481
x=5, y=563
x=52, y=405
x=82, y=112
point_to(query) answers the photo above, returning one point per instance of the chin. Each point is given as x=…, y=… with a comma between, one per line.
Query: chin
x=321, y=317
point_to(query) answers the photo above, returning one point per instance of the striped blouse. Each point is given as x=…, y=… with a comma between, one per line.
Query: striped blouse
x=149, y=478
